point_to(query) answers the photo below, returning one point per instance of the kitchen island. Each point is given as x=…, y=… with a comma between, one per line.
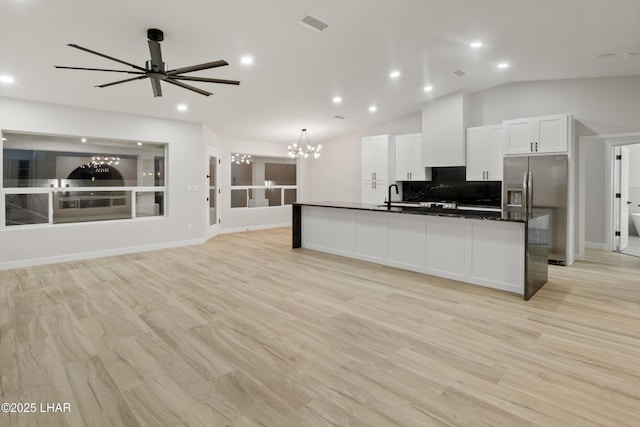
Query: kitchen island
x=501, y=250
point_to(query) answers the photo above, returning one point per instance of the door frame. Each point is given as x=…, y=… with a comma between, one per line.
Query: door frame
x=610, y=141
x=212, y=230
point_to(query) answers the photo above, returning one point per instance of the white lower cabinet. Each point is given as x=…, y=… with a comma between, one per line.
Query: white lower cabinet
x=481, y=252
x=374, y=192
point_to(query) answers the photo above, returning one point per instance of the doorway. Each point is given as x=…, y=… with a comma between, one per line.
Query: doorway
x=626, y=199
x=213, y=194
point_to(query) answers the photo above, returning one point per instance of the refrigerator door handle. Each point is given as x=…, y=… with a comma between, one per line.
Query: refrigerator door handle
x=530, y=193
x=525, y=192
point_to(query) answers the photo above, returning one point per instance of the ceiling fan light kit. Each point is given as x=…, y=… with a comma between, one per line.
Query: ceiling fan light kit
x=155, y=69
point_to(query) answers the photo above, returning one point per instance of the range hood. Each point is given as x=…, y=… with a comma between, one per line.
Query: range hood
x=444, y=124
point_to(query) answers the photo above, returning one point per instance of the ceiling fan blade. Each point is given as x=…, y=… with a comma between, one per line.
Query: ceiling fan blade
x=98, y=69
x=206, y=80
x=123, y=81
x=155, y=86
x=156, y=56
x=189, y=87
x=199, y=67
x=106, y=56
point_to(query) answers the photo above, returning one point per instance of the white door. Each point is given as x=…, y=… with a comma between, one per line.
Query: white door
x=375, y=157
x=374, y=192
x=404, y=157
x=622, y=202
x=494, y=157
x=518, y=136
x=476, y=170
x=551, y=134
x=213, y=194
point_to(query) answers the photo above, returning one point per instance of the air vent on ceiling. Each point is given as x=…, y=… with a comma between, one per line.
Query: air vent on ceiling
x=339, y=117
x=314, y=23
x=459, y=72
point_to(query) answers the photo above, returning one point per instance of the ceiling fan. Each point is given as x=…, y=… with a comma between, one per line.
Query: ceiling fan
x=155, y=69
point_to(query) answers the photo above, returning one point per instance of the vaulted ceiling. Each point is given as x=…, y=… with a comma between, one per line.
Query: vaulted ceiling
x=298, y=71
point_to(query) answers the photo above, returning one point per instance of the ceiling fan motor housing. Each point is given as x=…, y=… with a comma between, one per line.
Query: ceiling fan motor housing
x=155, y=34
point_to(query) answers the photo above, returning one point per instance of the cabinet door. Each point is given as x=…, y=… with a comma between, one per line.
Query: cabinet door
x=551, y=134
x=518, y=136
x=404, y=157
x=374, y=192
x=418, y=170
x=476, y=153
x=375, y=157
x=494, y=152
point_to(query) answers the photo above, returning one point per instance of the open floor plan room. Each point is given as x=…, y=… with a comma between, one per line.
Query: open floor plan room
x=245, y=331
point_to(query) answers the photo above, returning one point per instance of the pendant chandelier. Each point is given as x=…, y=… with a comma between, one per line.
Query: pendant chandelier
x=240, y=158
x=101, y=162
x=303, y=149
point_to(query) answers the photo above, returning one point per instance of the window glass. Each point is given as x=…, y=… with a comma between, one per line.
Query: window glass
x=149, y=203
x=83, y=206
x=52, y=161
x=266, y=181
x=23, y=209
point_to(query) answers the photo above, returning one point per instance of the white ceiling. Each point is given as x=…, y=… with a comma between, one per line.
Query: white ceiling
x=297, y=71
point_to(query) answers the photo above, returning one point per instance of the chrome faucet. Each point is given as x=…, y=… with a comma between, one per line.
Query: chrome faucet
x=389, y=198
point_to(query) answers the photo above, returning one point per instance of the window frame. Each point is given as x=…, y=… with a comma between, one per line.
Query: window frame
x=56, y=188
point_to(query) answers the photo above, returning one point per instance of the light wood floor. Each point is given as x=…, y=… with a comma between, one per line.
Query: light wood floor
x=245, y=331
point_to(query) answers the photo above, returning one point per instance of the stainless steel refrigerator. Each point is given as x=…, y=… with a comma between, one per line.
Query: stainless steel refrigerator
x=540, y=183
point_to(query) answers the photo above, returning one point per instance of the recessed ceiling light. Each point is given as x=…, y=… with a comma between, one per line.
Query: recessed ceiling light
x=606, y=55
x=83, y=140
x=503, y=65
x=246, y=60
x=4, y=139
x=6, y=79
x=139, y=144
x=182, y=107
x=476, y=45
x=373, y=108
x=428, y=88
x=337, y=99
x=394, y=74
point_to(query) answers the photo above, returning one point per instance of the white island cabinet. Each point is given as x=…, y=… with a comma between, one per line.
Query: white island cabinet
x=478, y=251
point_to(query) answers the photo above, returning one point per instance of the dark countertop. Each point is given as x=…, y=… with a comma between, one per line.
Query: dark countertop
x=467, y=212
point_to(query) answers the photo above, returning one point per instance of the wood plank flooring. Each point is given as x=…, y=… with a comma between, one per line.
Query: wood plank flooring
x=244, y=331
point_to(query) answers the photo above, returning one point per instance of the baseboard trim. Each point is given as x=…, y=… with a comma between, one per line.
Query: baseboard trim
x=97, y=254
x=254, y=227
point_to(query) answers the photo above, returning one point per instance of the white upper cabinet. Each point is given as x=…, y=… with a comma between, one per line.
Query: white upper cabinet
x=543, y=135
x=378, y=167
x=484, y=153
x=409, y=164
x=377, y=157
x=443, y=130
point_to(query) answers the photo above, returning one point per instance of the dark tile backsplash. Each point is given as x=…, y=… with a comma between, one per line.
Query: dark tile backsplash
x=449, y=184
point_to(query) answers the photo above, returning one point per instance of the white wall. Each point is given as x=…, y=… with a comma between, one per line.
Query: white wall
x=337, y=174
x=184, y=223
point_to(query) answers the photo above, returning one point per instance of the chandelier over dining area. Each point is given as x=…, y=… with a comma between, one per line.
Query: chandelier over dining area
x=303, y=148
